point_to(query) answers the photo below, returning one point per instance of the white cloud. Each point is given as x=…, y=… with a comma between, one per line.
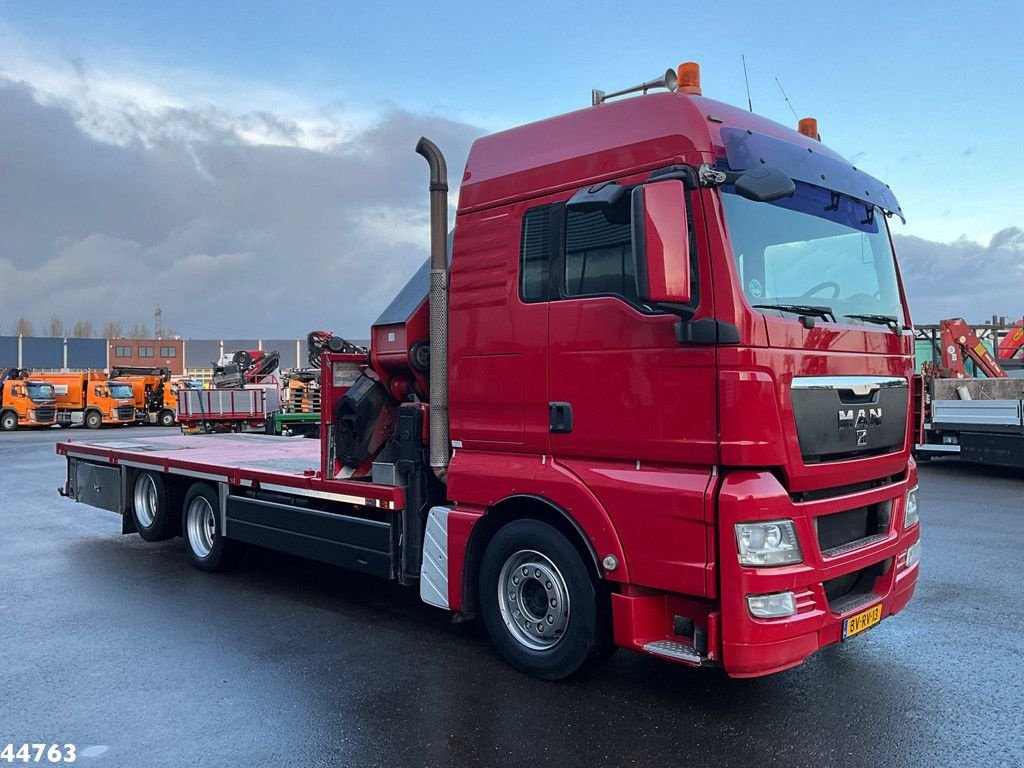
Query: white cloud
x=158, y=188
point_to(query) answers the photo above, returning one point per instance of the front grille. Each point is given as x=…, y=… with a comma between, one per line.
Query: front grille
x=852, y=589
x=126, y=412
x=45, y=412
x=847, y=417
x=842, y=490
x=843, y=531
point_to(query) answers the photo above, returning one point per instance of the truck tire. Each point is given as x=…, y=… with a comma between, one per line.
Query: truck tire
x=93, y=420
x=542, y=608
x=200, y=527
x=166, y=418
x=8, y=421
x=154, y=507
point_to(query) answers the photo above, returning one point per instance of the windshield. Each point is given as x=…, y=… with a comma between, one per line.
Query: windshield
x=40, y=392
x=815, y=248
x=121, y=391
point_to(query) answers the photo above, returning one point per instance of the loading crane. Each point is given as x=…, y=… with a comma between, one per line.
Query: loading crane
x=960, y=343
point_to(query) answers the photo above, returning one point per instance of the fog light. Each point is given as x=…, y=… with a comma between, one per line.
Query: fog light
x=913, y=554
x=910, y=516
x=771, y=543
x=772, y=606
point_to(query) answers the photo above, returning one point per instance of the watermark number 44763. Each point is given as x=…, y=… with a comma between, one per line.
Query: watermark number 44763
x=38, y=753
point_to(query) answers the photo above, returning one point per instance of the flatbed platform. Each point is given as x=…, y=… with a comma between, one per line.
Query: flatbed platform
x=268, y=462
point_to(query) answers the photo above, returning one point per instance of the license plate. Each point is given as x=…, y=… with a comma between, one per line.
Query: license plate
x=861, y=621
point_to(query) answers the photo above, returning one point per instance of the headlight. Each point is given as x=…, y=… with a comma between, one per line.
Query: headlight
x=771, y=543
x=772, y=606
x=910, y=516
x=913, y=554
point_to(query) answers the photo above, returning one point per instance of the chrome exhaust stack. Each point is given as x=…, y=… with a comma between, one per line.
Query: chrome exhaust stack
x=439, y=442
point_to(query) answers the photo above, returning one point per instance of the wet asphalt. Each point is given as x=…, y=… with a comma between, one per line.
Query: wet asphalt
x=121, y=648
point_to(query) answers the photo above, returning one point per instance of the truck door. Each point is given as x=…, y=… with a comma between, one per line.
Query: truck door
x=632, y=412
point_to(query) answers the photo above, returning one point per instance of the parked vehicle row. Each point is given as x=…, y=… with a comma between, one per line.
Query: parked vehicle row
x=92, y=399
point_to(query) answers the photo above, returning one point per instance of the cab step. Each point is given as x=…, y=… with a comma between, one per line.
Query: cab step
x=675, y=650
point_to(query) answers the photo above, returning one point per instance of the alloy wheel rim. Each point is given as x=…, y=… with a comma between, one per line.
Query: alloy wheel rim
x=533, y=600
x=145, y=500
x=202, y=527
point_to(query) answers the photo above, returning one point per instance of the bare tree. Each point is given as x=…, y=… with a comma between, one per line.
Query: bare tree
x=83, y=329
x=56, y=327
x=23, y=327
x=112, y=329
x=139, y=331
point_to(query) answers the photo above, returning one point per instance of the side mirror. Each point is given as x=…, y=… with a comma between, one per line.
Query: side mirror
x=764, y=184
x=661, y=243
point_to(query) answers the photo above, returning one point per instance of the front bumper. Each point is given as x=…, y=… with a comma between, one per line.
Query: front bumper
x=753, y=647
x=726, y=633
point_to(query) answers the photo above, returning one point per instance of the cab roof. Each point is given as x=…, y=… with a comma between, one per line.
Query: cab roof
x=606, y=141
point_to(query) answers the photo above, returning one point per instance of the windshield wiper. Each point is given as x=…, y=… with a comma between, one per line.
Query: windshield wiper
x=893, y=322
x=806, y=310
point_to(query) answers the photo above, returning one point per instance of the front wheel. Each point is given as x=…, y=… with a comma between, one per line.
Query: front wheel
x=8, y=421
x=205, y=543
x=542, y=608
x=93, y=420
x=166, y=418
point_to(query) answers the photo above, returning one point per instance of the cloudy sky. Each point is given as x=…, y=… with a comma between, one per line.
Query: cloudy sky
x=249, y=166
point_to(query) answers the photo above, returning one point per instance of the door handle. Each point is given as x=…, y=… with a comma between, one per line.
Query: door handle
x=559, y=417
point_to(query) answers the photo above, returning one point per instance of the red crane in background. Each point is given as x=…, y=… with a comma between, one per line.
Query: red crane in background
x=959, y=342
x=1012, y=343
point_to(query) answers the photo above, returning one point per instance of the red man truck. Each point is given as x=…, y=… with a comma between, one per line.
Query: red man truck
x=651, y=393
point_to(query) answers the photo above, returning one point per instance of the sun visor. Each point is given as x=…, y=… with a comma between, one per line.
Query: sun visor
x=748, y=149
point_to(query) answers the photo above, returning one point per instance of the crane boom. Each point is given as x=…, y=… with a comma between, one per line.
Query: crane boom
x=959, y=342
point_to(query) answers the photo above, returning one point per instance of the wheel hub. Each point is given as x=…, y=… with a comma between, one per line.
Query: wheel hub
x=533, y=600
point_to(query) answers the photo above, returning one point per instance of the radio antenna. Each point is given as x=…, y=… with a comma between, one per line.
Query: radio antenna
x=750, y=104
x=787, y=99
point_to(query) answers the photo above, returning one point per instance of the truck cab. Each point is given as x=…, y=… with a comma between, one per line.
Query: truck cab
x=733, y=433
x=115, y=400
x=25, y=401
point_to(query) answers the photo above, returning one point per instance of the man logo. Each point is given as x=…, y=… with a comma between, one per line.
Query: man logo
x=860, y=419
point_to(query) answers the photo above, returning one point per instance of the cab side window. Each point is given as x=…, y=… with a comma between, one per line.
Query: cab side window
x=535, y=255
x=599, y=253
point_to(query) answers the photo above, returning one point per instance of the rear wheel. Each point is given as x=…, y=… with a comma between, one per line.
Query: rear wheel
x=93, y=420
x=154, y=507
x=8, y=421
x=200, y=527
x=542, y=608
x=166, y=418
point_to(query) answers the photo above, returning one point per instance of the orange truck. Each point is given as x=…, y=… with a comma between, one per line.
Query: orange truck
x=154, y=392
x=25, y=400
x=90, y=398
